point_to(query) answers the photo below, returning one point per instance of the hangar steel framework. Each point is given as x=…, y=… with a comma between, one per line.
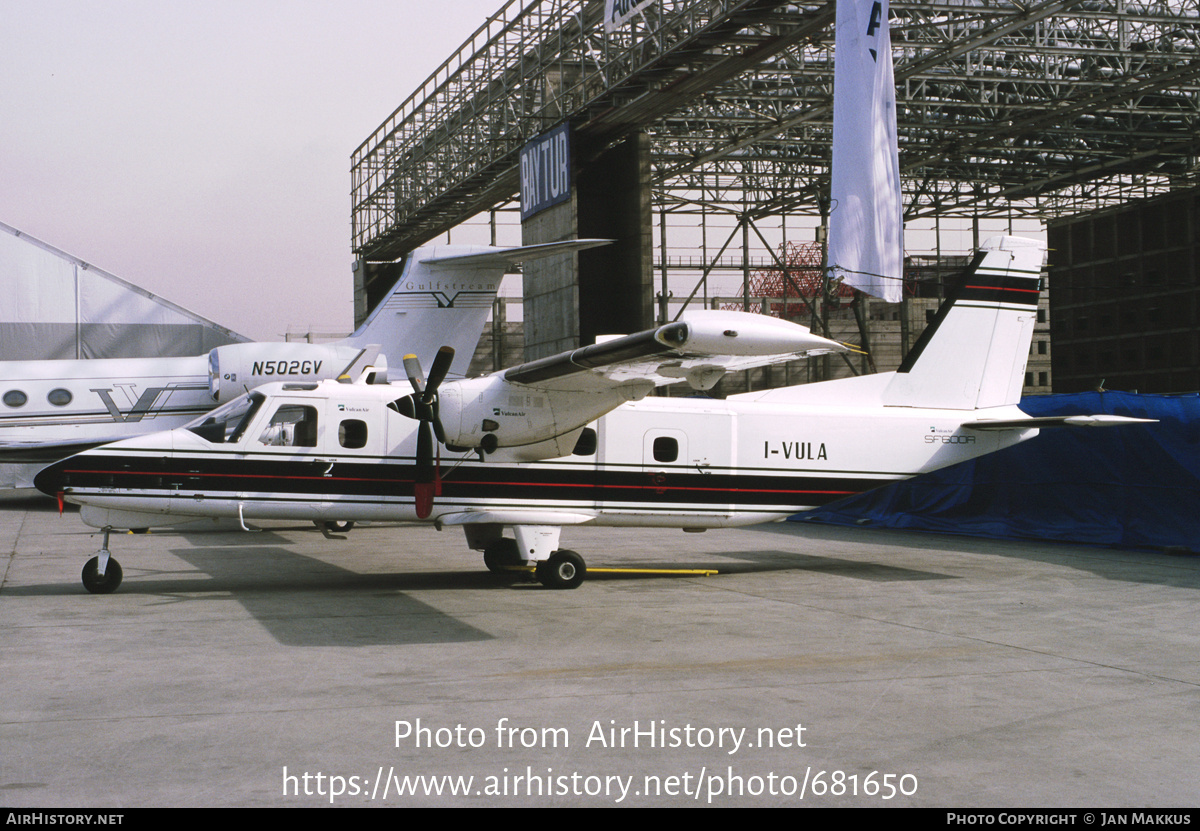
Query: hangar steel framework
x=1042, y=107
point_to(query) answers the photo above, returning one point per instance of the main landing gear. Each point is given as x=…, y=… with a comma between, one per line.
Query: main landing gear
x=561, y=569
x=102, y=574
x=564, y=570
x=334, y=527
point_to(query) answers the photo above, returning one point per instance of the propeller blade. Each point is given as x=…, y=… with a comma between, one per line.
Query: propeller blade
x=423, y=406
x=412, y=367
x=424, y=493
x=438, y=430
x=437, y=374
x=424, y=453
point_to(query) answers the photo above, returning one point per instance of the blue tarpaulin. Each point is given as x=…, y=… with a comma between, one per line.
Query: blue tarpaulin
x=1135, y=486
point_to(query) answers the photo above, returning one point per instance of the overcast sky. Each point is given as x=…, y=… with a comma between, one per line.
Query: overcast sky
x=202, y=149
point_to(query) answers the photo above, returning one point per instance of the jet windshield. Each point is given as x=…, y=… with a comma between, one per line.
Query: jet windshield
x=226, y=424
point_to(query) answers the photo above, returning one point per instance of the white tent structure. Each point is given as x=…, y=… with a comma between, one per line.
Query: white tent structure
x=55, y=306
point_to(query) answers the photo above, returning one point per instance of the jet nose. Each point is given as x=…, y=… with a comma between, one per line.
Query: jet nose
x=51, y=480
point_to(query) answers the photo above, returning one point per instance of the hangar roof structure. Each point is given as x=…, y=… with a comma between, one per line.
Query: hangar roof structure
x=1040, y=107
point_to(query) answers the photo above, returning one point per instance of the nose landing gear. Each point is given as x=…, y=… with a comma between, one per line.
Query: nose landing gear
x=102, y=574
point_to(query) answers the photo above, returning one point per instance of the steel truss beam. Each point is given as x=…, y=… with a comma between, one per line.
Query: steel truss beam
x=1039, y=108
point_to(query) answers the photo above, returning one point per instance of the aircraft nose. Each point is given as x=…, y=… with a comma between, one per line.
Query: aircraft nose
x=51, y=480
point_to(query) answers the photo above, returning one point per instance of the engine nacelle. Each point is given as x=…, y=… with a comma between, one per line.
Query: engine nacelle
x=490, y=412
x=237, y=367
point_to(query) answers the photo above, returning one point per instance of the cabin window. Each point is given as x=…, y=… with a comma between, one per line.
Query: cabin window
x=15, y=398
x=293, y=425
x=352, y=434
x=59, y=397
x=666, y=449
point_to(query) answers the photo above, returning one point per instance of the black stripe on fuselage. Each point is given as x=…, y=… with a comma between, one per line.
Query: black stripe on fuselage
x=227, y=477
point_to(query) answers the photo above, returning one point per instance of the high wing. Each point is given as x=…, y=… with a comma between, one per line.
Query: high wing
x=700, y=348
x=553, y=398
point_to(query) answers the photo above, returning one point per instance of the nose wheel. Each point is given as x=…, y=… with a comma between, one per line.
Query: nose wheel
x=102, y=574
x=562, y=570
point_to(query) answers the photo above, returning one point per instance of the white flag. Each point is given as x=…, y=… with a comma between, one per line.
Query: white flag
x=617, y=12
x=866, y=242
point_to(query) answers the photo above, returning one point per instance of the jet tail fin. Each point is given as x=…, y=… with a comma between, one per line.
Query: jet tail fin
x=973, y=355
x=443, y=298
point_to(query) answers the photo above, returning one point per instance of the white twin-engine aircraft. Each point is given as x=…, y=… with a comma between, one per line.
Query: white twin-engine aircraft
x=52, y=409
x=515, y=450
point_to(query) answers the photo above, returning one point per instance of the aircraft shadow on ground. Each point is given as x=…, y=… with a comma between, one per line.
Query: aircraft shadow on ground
x=340, y=607
x=1129, y=565
x=780, y=560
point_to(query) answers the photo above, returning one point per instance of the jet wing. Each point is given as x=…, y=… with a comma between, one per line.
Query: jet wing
x=699, y=347
x=45, y=452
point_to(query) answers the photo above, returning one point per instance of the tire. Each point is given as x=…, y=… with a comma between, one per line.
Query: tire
x=335, y=527
x=564, y=570
x=94, y=583
x=500, y=555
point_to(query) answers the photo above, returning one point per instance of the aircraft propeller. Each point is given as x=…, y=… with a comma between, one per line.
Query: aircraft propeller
x=422, y=405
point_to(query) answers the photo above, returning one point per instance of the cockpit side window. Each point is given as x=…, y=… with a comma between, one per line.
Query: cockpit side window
x=227, y=423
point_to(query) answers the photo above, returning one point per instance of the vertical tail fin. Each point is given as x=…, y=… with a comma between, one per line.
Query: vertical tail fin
x=974, y=352
x=443, y=298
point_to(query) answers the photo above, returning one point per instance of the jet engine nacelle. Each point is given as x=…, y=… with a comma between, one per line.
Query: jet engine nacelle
x=235, y=368
x=490, y=412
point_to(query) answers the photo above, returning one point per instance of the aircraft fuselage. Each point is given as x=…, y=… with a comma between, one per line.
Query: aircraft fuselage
x=669, y=462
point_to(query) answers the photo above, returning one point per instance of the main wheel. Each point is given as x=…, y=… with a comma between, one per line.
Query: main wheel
x=564, y=570
x=335, y=527
x=500, y=555
x=94, y=583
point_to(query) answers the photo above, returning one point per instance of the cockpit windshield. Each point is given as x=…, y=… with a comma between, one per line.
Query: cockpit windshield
x=226, y=424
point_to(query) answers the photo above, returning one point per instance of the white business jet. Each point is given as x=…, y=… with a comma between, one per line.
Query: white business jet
x=521, y=450
x=50, y=409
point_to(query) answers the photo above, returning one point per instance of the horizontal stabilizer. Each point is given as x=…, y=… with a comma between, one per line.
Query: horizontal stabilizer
x=1056, y=421
x=506, y=258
